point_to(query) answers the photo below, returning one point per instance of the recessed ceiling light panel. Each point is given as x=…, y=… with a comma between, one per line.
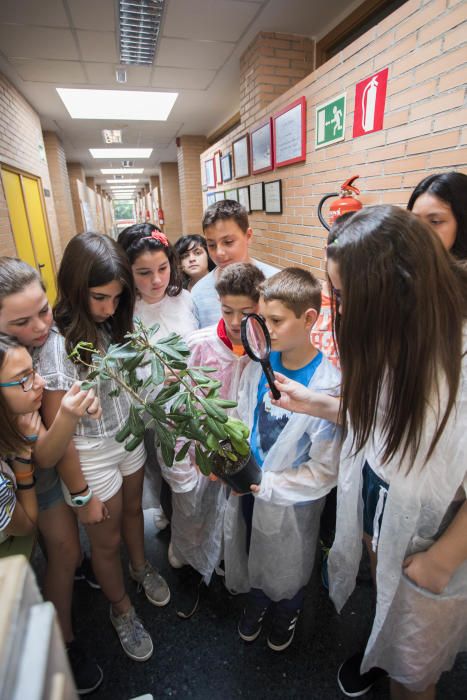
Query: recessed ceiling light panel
x=139, y=27
x=122, y=171
x=117, y=104
x=112, y=135
x=120, y=152
x=121, y=181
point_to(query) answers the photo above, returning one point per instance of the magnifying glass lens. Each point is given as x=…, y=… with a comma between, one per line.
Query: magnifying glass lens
x=256, y=338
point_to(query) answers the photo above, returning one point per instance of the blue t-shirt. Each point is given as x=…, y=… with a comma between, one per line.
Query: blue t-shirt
x=269, y=421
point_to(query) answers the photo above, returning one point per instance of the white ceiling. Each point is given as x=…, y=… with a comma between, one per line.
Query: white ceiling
x=46, y=44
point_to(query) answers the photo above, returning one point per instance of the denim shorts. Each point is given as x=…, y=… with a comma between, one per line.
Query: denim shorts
x=371, y=494
x=48, y=488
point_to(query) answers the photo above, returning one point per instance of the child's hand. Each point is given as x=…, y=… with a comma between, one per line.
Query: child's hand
x=78, y=402
x=29, y=425
x=425, y=571
x=294, y=396
x=92, y=513
x=255, y=488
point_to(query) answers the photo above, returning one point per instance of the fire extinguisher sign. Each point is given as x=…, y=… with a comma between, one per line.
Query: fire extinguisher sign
x=370, y=98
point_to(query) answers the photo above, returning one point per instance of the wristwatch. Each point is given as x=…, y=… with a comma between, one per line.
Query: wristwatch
x=80, y=501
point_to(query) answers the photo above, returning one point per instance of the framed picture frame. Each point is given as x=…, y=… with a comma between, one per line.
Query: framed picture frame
x=273, y=197
x=218, y=196
x=209, y=173
x=232, y=194
x=241, y=156
x=217, y=167
x=257, y=197
x=226, y=167
x=210, y=198
x=262, y=156
x=289, y=134
x=244, y=197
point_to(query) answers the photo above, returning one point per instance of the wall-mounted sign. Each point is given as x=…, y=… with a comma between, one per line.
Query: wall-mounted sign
x=330, y=121
x=370, y=99
x=289, y=133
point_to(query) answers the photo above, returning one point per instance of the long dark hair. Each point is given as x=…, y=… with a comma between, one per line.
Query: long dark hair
x=138, y=239
x=187, y=243
x=92, y=260
x=404, y=300
x=11, y=440
x=451, y=188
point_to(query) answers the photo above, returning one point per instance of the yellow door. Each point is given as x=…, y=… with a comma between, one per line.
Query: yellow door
x=38, y=229
x=29, y=226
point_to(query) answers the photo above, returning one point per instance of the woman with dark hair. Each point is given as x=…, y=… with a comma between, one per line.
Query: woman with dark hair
x=441, y=201
x=95, y=304
x=195, y=262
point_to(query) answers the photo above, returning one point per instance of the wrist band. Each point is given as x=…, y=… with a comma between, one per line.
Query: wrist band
x=22, y=460
x=25, y=487
x=78, y=493
x=31, y=438
x=24, y=475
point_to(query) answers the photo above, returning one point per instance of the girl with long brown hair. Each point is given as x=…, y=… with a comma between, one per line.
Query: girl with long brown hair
x=95, y=304
x=401, y=330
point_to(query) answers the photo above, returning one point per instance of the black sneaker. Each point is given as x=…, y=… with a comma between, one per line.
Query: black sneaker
x=352, y=682
x=87, y=674
x=85, y=572
x=282, y=629
x=187, y=592
x=251, y=621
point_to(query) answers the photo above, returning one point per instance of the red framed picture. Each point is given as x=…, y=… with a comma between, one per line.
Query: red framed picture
x=289, y=134
x=262, y=158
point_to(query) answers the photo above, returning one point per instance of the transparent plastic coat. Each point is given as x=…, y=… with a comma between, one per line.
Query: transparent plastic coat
x=199, y=503
x=288, y=506
x=416, y=634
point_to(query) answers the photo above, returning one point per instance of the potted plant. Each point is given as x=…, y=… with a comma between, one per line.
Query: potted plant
x=181, y=402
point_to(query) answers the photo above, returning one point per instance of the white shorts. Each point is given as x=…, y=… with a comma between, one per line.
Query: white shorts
x=104, y=463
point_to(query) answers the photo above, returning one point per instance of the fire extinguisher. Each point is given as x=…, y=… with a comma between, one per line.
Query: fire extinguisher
x=160, y=216
x=347, y=202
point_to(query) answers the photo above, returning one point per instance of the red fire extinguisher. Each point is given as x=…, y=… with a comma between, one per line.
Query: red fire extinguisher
x=160, y=216
x=347, y=202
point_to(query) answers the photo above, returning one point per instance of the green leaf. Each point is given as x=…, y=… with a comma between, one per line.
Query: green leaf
x=132, y=363
x=240, y=446
x=182, y=453
x=169, y=351
x=168, y=338
x=216, y=428
x=201, y=461
x=133, y=443
x=212, y=410
x=157, y=371
x=167, y=443
x=88, y=385
x=167, y=393
x=225, y=403
x=136, y=423
x=115, y=392
x=123, y=433
x=157, y=412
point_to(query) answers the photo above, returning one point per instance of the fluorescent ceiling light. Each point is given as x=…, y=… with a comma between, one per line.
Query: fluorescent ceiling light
x=120, y=152
x=112, y=135
x=139, y=27
x=122, y=171
x=117, y=104
x=118, y=182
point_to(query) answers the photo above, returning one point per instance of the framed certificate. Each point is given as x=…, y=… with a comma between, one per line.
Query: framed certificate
x=241, y=156
x=218, y=196
x=226, y=167
x=289, y=134
x=273, y=197
x=209, y=173
x=257, y=197
x=232, y=194
x=244, y=197
x=210, y=198
x=261, y=148
x=217, y=167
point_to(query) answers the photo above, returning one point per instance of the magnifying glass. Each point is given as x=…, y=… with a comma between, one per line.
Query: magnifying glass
x=257, y=343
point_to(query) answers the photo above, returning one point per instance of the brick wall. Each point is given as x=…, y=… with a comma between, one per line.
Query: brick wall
x=423, y=44
x=60, y=186
x=20, y=144
x=188, y=152
x=170, y=200
x=76, y=178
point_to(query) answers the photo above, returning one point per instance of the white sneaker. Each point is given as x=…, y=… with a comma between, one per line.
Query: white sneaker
x=160, y=520
x=174, y=561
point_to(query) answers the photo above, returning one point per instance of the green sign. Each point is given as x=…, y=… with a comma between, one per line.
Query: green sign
x=330, y=122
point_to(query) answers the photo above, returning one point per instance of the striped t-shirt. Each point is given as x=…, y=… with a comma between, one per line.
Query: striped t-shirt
x=7, y=498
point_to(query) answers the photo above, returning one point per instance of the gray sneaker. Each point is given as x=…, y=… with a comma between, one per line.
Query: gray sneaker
x=136, y=642
x=154, y=586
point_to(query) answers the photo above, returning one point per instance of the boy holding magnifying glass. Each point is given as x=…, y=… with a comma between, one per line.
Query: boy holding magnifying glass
x=270, y=535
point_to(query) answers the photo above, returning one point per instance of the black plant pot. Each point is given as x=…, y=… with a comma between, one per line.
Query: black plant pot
x=238, y=475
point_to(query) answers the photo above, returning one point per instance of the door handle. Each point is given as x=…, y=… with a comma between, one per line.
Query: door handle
x=41, y=264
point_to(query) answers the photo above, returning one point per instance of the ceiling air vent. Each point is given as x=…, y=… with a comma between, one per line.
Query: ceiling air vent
x=128, y=163
x=140, y=22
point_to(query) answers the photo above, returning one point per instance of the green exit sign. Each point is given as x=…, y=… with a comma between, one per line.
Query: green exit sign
x=330, y=121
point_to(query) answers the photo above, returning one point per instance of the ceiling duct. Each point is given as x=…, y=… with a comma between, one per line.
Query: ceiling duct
x=140, y=22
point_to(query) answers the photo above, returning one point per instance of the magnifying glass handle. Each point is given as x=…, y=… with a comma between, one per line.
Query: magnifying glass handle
x=267, y=369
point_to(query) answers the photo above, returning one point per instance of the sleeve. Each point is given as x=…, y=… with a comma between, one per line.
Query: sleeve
x=54, y=366
x=192, y=318
x=7, y=501
x=312, y=478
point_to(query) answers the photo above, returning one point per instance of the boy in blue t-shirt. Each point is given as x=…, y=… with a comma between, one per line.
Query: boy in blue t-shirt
x=271, y=535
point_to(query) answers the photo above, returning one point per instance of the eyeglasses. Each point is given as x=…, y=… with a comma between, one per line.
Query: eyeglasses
x=26, y=383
